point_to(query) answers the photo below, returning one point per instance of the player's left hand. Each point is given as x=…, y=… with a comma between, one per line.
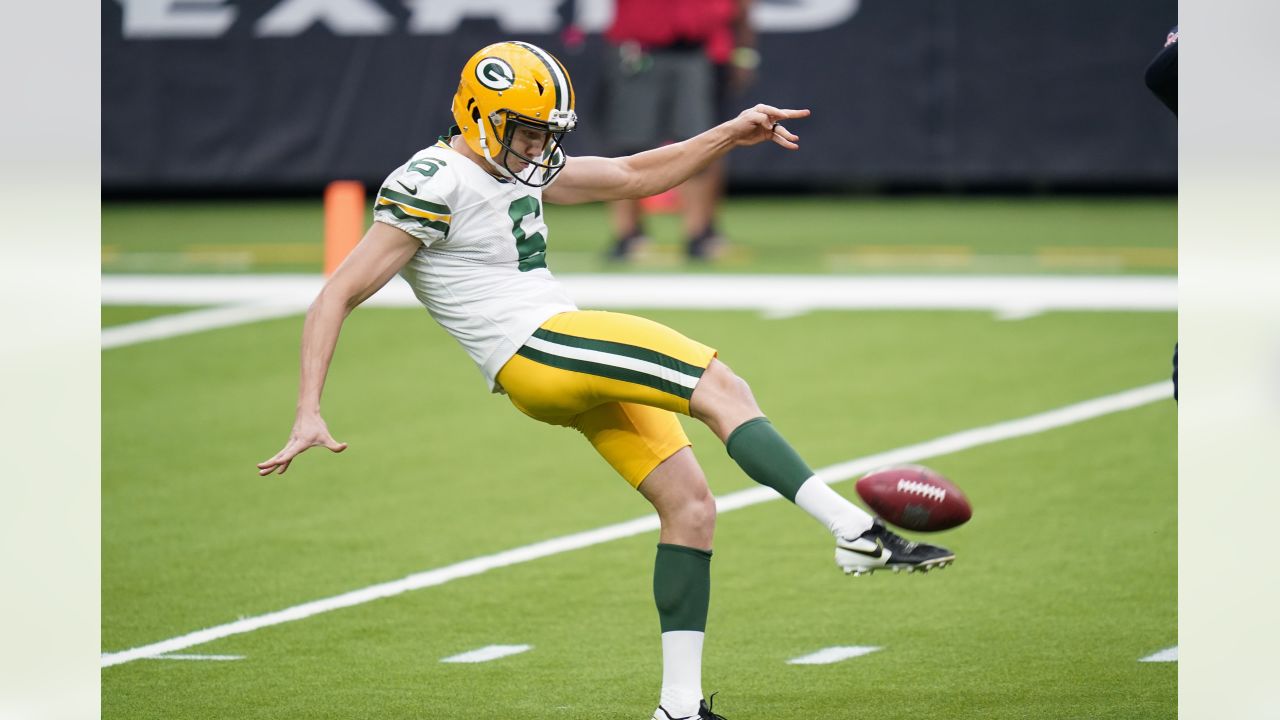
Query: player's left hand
x=764, y=122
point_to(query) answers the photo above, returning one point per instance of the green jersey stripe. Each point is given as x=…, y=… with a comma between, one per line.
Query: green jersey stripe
x=606, y=371
x=424, y=222
x=412, y=201
x=617, y=348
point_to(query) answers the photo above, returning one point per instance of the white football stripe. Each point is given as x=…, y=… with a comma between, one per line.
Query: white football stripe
x=194, y=321
x=773, y=293
x=782, y=294
x=826, y=656
x=487, y=653
x=1166, y=655
x=621, y=361
x=196, y=657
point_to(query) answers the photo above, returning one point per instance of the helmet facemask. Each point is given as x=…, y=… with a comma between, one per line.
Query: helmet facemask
x=552, y=158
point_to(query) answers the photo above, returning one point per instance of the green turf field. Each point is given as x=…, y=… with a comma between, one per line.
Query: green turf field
x=817, y=234
x=1065, y=577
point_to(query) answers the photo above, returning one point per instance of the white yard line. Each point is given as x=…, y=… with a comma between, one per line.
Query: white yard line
x=487, y=653
x=167, y=326
x=1166, y=655
x=826, y=656
x=744, y=498
x=221, y=658
x=258, y=297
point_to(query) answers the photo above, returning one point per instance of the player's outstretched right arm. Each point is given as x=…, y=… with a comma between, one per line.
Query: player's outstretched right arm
x=380, y=255
x=590, y=179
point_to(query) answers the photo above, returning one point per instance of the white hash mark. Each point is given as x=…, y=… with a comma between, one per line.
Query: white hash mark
x=1166, y=655
x=826, y=656
x=487, y=653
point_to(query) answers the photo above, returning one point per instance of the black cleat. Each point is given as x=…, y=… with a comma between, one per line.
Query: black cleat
x=706, y=247
x=626, y=247
x=704, y=713
x=880, y=547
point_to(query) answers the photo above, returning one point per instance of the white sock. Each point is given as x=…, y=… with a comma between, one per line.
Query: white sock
x=681, y=672
x=842, y=518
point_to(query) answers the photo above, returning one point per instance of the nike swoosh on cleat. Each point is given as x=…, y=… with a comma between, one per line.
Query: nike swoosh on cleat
x=412, y=190
x=876, y=554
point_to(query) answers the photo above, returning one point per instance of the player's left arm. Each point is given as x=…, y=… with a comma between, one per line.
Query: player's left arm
x=590, y=179
x=382, y=252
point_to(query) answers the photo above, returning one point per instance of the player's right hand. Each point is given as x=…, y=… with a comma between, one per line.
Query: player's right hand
x=764, y=122
x=308, y=431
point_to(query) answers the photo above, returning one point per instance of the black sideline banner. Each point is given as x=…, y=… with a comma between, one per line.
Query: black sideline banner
x=261, y=95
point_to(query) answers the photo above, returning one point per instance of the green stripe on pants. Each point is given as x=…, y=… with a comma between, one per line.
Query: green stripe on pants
x=616, y=348
x=607, y=371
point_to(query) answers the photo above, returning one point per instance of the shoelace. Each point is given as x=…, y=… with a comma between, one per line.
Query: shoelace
x=896, y=539
x=710, y=715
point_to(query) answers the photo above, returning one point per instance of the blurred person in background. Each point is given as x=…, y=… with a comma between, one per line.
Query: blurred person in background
x=675, y=67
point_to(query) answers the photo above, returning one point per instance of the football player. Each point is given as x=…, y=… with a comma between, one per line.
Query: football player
x=462, y=221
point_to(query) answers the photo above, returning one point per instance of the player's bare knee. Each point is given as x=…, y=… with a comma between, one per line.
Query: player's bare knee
x=717, y=387
x=701, y=512
x=741, y=392
x=698, y=518
x=734, y=387
x=723, y=400
x=693, y=518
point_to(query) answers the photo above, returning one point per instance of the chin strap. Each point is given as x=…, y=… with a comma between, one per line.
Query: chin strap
x=484, y=145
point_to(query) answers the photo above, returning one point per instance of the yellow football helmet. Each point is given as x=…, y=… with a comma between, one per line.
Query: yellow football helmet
x=509, y=84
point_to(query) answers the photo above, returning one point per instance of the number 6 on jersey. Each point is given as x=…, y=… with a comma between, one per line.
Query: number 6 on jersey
x=531, y=249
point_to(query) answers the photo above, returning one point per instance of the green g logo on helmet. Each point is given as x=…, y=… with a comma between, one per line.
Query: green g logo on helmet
x=495, y=73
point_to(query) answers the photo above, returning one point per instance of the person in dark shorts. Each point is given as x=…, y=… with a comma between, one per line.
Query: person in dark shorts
x=670, y=68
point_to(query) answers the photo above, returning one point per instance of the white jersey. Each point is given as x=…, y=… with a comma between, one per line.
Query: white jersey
x=481, y=271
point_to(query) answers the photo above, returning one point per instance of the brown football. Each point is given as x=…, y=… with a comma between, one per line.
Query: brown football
x=914, y=497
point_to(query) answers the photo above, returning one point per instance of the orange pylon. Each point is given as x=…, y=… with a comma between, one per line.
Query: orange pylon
x=344, y=216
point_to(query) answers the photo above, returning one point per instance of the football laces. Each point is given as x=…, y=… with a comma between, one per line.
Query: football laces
x=914, y=487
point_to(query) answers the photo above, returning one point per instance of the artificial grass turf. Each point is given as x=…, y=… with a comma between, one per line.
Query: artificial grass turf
x=1031, y=622
x=419, y=420
x=768, y=234
x=439, y=472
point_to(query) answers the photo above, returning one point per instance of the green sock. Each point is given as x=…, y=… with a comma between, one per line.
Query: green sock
x=682, y=587
x=767, y=458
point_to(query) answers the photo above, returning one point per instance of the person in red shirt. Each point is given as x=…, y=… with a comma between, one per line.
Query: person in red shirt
x=673, y=66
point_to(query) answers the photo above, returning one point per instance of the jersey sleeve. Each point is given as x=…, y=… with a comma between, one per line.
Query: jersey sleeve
x=415, y=203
